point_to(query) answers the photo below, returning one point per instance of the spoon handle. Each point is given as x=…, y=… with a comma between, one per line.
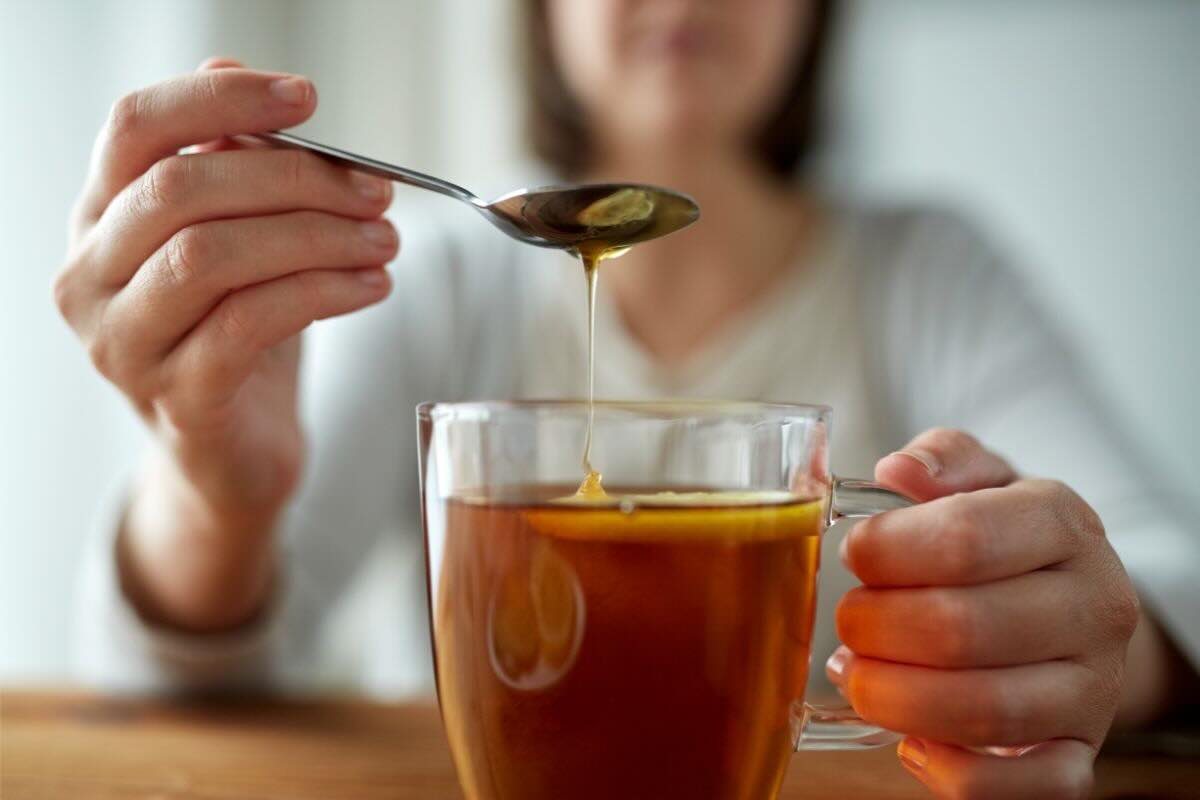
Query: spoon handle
x=365, y=164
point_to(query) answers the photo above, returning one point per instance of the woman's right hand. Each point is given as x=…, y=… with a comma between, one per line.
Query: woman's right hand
x=188, y=278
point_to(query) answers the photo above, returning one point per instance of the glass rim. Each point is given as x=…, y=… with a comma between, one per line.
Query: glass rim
x=479, y=409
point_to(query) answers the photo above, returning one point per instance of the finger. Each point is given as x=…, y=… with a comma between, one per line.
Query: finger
x=219, y=62
x=211, y=363
x=970, y=538
x=224, y=143
x=941, y=462
x=1055, y=770
x=189, y=275
x=152, y=123
x=185, y=190
x=1007, y=706
x=998, y=624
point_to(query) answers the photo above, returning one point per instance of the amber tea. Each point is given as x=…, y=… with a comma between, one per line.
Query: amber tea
x=647, y=645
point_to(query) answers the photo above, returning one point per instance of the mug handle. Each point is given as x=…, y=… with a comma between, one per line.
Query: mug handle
x=838, y=727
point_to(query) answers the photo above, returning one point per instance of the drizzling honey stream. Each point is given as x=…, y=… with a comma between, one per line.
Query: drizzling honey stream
x=592, y=485
x=603, y=221
x=619, y=219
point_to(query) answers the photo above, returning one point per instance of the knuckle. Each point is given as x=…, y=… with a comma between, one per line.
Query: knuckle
x=963, y=544
x=863, y=694
x=955, y=625
x=851, y=609
x=310, y=294
x=208, y=86
x=949, y=440
x=861, y=542
x=184, y=255
x=1055, y=494
x=1089, y=520
x=1000, y=716
x=165, y=182
x=103, y=356
x=1115, y=611
x=234, y=322
x=1078, y=513
x=313, y=232
x=125, y=116
x=1069, y=512
x=1126, y=610
x=108, y=352
x=295, y=168
x=63, y=291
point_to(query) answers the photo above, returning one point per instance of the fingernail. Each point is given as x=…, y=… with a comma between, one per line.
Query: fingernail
x=369, y=186
x=927, y=460
x=293, y=91
x=373, y=277
x=912, y=754
x=378, y=233
x=844, y=550
x=835, y=667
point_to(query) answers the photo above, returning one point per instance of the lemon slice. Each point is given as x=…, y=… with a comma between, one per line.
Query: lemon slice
x=587, y=496
x=620, y=207
x=730, y=516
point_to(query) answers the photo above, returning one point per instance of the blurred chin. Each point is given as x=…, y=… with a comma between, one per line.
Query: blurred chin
x=667, y=123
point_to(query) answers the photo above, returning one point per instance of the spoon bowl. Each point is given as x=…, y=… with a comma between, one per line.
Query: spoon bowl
x=600, y=216
x=603, y=214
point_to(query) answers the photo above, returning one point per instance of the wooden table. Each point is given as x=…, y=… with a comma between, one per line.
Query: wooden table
x=69, y=745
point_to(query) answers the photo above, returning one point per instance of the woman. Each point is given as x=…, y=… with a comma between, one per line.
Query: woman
x=190, y=277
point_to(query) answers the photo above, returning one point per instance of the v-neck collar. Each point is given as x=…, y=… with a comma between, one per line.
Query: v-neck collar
x=729, y=362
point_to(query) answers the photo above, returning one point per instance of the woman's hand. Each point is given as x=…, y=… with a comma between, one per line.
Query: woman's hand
x=994, y=615
x=188, y=278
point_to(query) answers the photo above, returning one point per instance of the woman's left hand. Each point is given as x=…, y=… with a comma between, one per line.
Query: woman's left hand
x=993, y=615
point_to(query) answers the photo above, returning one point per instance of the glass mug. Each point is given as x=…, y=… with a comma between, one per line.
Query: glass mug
x=653, y=645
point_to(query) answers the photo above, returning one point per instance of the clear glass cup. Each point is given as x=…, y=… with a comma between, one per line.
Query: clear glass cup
x=655, y=644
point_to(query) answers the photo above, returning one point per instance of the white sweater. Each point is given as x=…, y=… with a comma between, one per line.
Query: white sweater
x=902, y=320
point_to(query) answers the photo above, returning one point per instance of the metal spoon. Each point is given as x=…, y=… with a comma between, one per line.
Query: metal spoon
x=609, y=215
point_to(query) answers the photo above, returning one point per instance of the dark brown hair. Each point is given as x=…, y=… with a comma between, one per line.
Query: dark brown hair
x=557, y=128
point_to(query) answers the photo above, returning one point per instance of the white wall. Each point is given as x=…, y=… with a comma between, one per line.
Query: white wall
x=65, y=437
x=1073, y=129
x=1070, y=127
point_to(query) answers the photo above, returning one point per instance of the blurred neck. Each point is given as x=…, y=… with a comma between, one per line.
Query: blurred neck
x=675, y=293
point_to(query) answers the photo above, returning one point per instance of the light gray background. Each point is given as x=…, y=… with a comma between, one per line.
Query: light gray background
x=1069, y=128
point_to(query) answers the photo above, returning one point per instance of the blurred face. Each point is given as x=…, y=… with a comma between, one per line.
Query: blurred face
x=658, y=74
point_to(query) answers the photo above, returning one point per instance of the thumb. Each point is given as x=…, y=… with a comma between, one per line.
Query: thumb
x=942, y=462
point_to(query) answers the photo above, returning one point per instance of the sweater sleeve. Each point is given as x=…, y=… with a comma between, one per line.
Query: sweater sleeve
x=961, y=343
x=361, y=377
